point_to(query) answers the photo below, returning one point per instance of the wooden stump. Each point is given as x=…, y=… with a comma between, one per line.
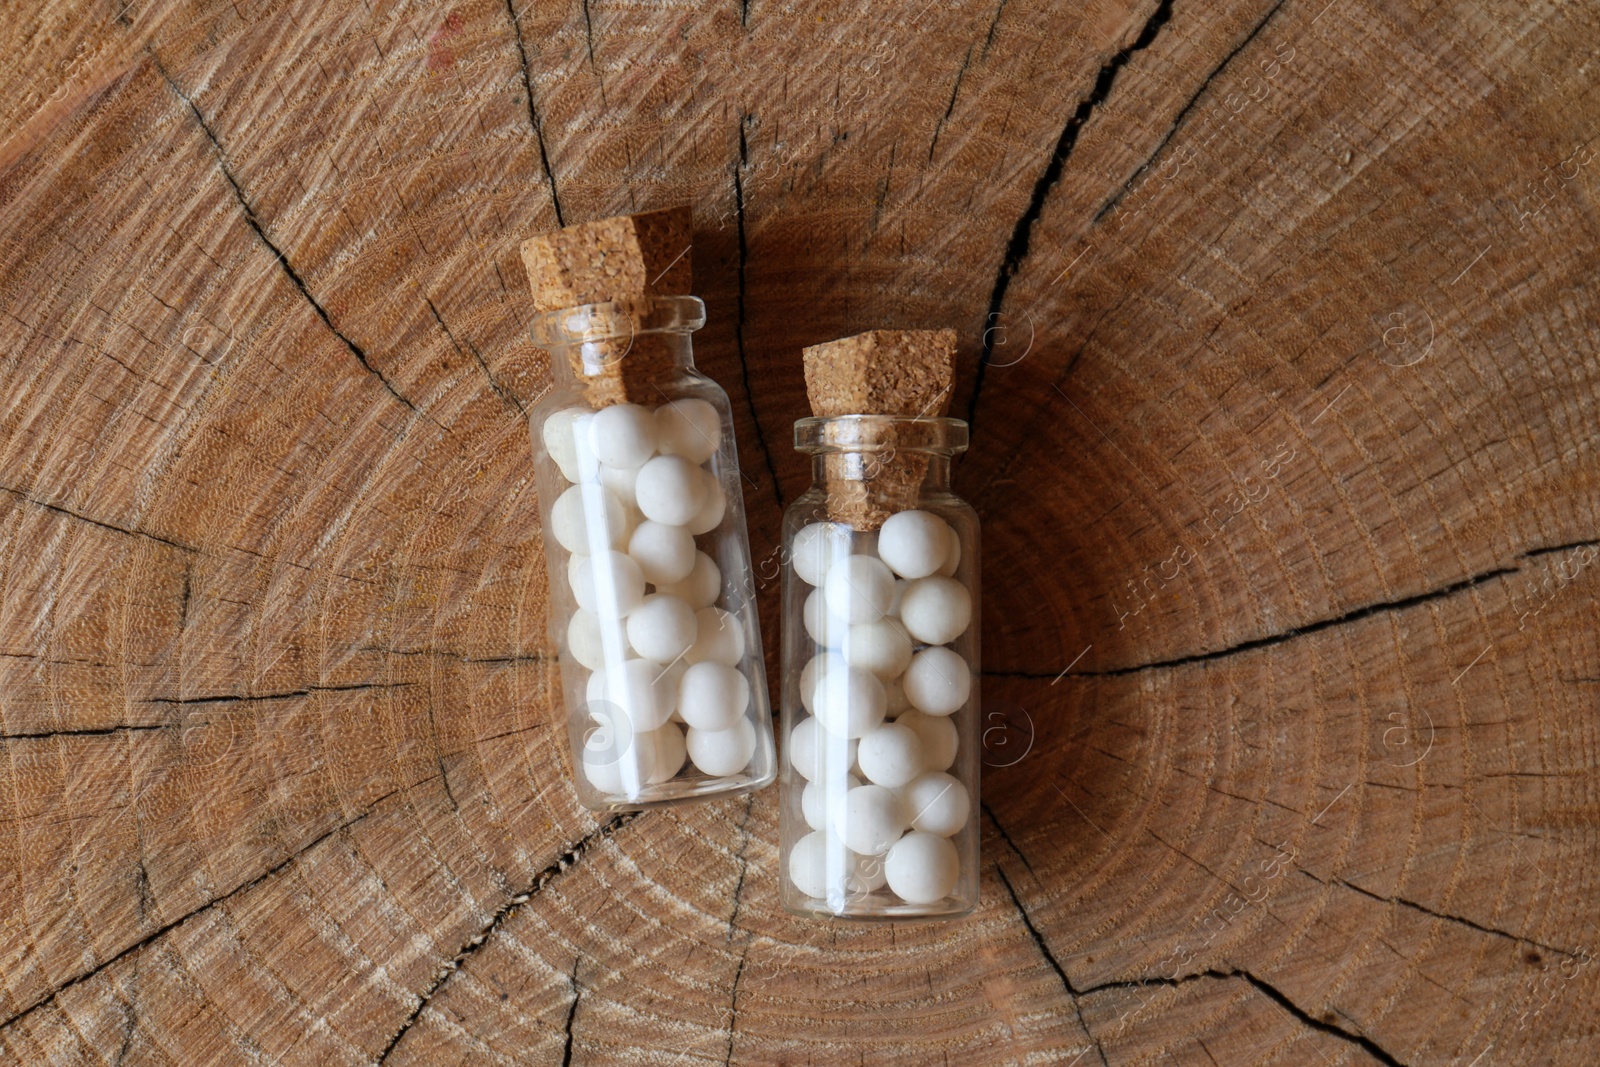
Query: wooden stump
x=1279, y=344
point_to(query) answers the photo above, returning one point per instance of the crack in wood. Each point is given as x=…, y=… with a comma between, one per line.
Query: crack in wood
x=1021, y=233
x=1183, y=113
x=567, y=859
x=240, y=698
x=533, y=114
x=572, y=1013
x=988, y=39
x=733, y=1004
x=739, y=321
x=129, y=531
x=1050, y=958
x=283, y=260
x=950, y=107
x=1012, y=845
x=103, y=731
x=243, y=887
x=476, y=356
x=1354, y=615
x=1460, y=920
x=1272, y=993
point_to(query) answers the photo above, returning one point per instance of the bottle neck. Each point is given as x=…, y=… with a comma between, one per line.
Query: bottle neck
x=874, y=467
x=636, y=340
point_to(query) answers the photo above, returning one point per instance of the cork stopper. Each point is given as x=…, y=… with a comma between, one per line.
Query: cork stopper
x=626, y=260
x=881, y=372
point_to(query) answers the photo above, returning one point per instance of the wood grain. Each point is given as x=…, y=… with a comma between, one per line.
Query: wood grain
x=1278, y=337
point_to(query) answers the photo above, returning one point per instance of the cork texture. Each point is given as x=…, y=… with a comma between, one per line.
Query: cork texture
x=880, y=372
x=627, y=260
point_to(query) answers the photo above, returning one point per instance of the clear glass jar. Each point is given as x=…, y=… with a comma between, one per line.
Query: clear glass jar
x=879, y=783
x=652, y=609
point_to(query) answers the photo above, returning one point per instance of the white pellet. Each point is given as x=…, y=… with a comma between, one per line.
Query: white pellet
x=890, y=755
x=690, y=428
x=703, y=585
x=584, y=516
x=719, y=638
x=721, y=753
x=623, y=435
x=938, y=736
x=922, y=868
x=937, y=803
x=670, y=489
x=938, y=681
x=665, y=554
x=815, y=547
x=712, y=696
x=936, y=610
x=914, y=543
x=871, y=819
x=816, y=754
x=661, y=628
x=609, y=585
x=715, y=505
x=881, y=647
x=859, y=589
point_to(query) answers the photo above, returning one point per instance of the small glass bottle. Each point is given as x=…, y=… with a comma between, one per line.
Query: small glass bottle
x=879, y=783
x=652, y=608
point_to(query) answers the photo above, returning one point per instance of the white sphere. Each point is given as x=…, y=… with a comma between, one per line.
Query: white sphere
x=720, y=753
x=859, y=589
x=848, y=700
x=936, y=610
x=936, y=803
x=712, y=696
x=952, y=556
x=585, y=517
x=642, y=693
x=938, y=681
x=922, y=867
x=890, y=755
x=819, y=865
x=619, y=481
x=664, y=553
x=825, y=629
x=880, y=647
x=808, y=678
x=584, y=641
x=818, y=755
x=603, y=771
x=709, y=517
x=690, y=428
x=670, y=489
x=703, y=585
x=661, y=628
x=623, y=435
x=559, y=441
x=814, y=549
x=608, y=585
x=819, y=799
x=719, y=638
x=661, y=752
x=871, y=819
x=914, y=543
x=937, y=734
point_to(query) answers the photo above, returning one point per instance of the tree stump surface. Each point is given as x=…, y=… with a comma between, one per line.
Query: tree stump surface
x=1279, y=340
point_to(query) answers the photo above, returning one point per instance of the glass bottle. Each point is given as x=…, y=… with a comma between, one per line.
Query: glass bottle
x=652, y=609
x=879, y=782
